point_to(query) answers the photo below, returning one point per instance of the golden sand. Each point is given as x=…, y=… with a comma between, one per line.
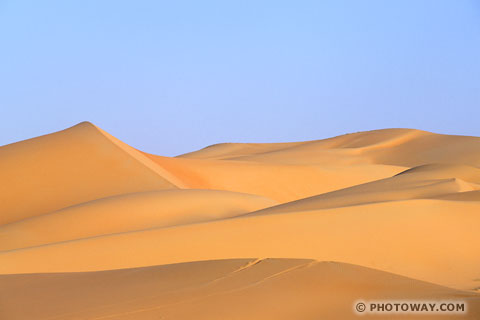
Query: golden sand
x=91, y=228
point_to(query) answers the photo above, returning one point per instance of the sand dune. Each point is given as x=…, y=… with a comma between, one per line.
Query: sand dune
x=351, y=145
x=440, y=237
x=224, y=289
x=69, y=167
x=463, y=196
x=111, y=232
x=129, y=212
x=281, y=182
x=400, y=147
x=435, y=181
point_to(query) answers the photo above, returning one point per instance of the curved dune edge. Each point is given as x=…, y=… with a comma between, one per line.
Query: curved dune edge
x=429, y=240
x=129, y=212
x=354, y=142
x=435, y=181
x=244, y=288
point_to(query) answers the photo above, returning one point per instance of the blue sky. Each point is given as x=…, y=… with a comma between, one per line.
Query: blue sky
x=169, y=77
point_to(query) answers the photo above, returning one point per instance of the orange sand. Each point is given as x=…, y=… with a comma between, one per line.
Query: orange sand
x=91, y=228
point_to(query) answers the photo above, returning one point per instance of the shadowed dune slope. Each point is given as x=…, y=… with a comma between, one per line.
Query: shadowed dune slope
x=128, y=212
x=463, y=196
x=69, y=167
x=429, y=240
x=224, y=289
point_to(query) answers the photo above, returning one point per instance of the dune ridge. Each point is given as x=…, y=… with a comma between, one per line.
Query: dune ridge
x=398, y=147
x=69, y=167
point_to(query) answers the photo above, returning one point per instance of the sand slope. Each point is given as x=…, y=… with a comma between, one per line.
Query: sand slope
x=432, y=181
x=429, y=240
x=281, y=182
x=224, y=289
x=69, y=167
x=400, y=147
x=111, y=232
x=128, y=212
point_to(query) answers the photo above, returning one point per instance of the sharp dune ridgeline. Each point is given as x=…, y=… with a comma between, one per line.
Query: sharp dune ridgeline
x=91, y=228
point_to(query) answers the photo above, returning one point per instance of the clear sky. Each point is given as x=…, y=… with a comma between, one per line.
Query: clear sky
x=169, y=77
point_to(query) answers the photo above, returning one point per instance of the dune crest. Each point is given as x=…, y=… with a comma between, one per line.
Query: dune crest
x=397, y=147
x=68, y=167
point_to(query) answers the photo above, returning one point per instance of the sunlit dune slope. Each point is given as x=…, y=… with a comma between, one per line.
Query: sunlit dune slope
x=430, y=240
x=225, y=289
x=128, y=212
x=224, y=151
x=400, y=147
x=424, y=182
x=69, y=167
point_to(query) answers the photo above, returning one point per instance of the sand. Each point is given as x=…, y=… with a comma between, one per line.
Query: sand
x=221, y=289
x=91, y=228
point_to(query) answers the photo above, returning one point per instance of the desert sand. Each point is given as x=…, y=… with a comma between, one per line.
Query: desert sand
x=91, y=228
